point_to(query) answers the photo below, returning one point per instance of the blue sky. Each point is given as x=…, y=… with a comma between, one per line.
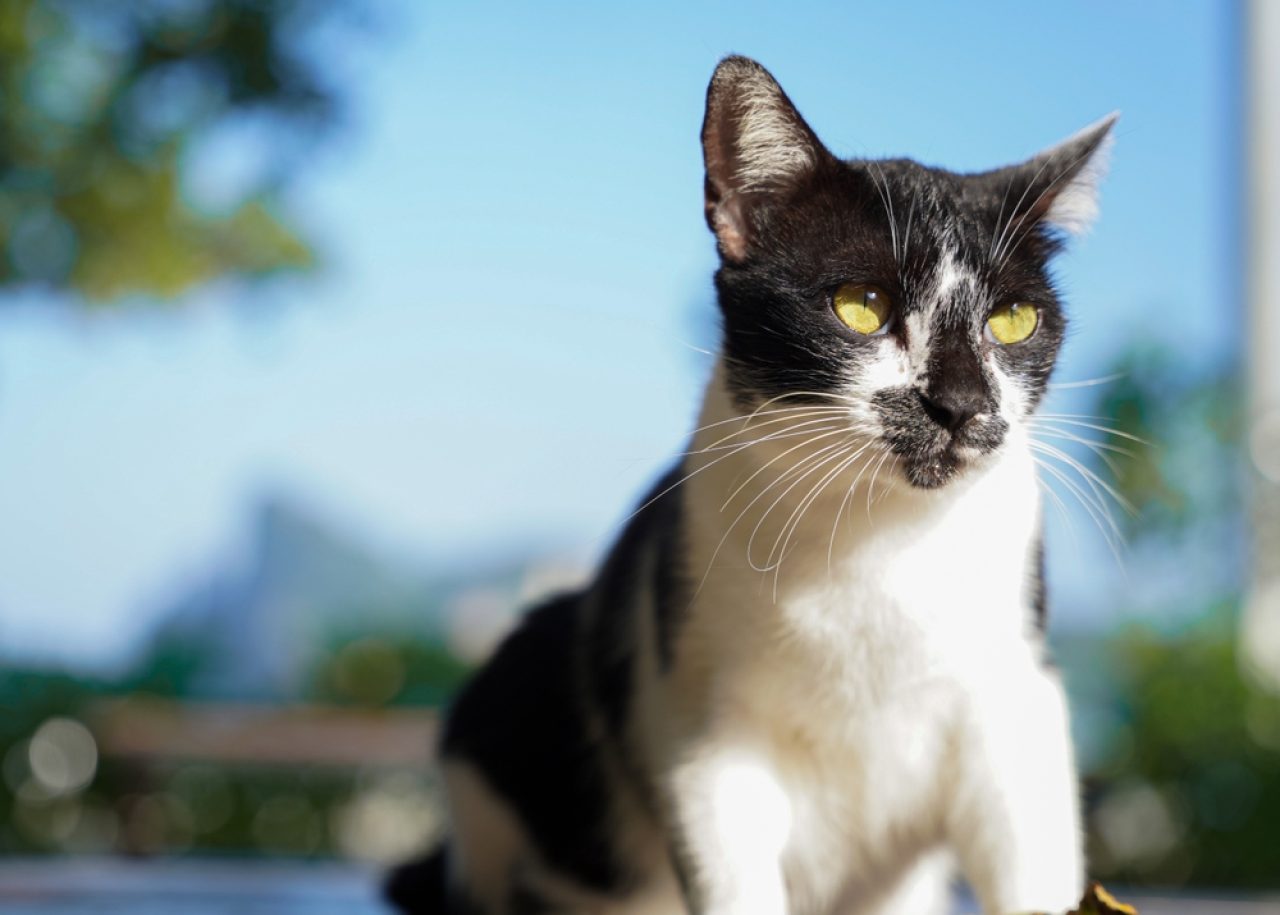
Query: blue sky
x=499, y=348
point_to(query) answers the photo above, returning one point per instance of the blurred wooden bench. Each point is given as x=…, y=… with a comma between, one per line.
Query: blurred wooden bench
x=147, y=731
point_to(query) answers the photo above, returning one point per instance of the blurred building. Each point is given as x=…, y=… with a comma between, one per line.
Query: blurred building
x=1262, y=619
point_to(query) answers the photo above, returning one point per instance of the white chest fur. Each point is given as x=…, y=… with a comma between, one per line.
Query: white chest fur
x=847, y=665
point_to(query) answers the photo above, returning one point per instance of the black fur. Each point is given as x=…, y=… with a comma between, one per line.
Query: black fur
x=419, y=887
x=527, y=725
x=545, y=718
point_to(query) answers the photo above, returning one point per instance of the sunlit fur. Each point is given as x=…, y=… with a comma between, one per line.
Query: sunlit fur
x=810, y=675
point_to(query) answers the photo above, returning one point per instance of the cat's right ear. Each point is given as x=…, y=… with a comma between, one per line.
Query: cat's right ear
x=755, y=146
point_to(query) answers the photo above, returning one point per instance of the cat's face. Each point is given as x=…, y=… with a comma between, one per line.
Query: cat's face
x=918, y=298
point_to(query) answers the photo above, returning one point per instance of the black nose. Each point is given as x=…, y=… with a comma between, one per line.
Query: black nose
x=952, y=407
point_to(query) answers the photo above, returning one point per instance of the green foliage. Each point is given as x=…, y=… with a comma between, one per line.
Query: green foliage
x=28, y=698
x=1187, y=472
x=387, y=670
x=170, y=667
x=102, y=105
x=1197, y=768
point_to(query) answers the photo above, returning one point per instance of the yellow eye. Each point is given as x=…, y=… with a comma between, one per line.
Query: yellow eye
x=864, y=308
x=1013, y=323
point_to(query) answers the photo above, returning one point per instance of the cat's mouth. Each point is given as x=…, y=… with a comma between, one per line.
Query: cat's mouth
x=930, y=455
x=932, y=468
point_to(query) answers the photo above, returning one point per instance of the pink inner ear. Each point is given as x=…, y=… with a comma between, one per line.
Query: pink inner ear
x=726, y=222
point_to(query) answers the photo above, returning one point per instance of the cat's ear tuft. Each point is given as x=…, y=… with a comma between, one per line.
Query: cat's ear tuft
x=754, y=144
x=1064, y=180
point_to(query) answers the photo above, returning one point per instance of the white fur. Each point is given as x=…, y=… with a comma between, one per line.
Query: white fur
x=890, y=703
x=951, y=275
x=735, y=812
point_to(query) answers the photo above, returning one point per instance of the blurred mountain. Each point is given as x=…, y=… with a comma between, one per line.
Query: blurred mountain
x=253, y=630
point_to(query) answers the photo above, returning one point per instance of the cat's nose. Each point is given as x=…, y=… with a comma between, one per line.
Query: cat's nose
x=951, y=408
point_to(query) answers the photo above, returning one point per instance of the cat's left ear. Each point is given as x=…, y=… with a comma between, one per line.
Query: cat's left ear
x=1059, y=186
x=756, y=148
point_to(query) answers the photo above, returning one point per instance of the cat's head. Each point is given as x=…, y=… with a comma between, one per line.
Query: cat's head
x=919, y=297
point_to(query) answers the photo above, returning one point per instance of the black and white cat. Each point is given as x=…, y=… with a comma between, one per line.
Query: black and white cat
x=810, y=675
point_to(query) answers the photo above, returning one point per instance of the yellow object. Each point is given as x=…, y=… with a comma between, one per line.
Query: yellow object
x=1097, y=901
x=1013, y=323
x=864, y=308
x=1100, y=901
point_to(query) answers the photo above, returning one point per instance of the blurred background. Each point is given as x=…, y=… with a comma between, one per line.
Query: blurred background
x=332, y=332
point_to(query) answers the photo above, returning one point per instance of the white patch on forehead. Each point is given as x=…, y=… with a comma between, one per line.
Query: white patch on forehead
x=954, y=284
x=948, y=276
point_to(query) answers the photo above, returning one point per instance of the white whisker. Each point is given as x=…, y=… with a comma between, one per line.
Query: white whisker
x=737, y=450
x=1071, y=420
x=1088, y=475
x=809, y=441
x=1098, y=513
x=759, y=523
x=1086, y=383
x=845, y=501
x=733, y=524
x=797, y=515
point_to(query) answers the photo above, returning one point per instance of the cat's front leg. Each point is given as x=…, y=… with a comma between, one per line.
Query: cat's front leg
x=1014, y=819
x=733, y=818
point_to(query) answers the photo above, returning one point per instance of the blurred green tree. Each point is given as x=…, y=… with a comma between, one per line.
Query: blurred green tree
x=1192, y=417
x=1190, y=794
x=386, y=669
x=103, y=107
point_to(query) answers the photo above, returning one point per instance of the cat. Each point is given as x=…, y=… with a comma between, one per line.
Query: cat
x=810, y=676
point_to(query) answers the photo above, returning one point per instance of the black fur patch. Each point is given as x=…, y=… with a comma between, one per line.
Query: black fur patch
x=528, y=721
x=419, y=887
x=524, y=724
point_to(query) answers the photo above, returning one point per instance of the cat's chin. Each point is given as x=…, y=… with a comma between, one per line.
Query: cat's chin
x=934, y=473
x=945, y=466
